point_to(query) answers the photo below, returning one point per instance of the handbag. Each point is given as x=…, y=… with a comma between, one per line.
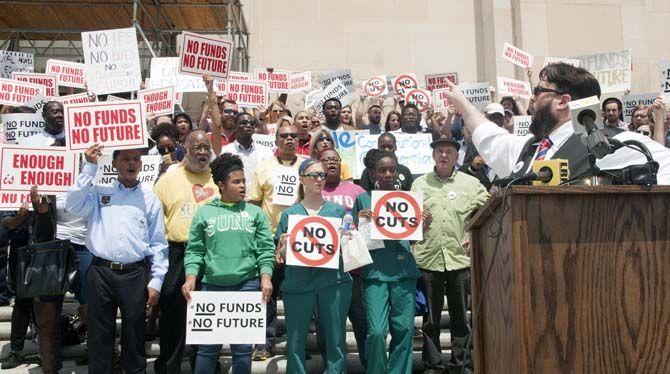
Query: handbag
x=45, y=269
x=354, y=251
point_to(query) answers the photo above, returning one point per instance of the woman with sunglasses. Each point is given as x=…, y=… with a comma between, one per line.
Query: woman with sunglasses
x=321, y=141
x=389, y=283
x=273, y=115
x=305, y=289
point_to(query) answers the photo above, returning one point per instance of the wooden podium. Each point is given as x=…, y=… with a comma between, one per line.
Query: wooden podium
x=580, y=282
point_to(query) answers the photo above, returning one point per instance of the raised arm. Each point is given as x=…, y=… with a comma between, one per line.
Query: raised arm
x=81, y=197
x=216, y=114
x=658, y=112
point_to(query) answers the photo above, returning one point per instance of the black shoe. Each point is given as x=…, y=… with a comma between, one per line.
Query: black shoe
x=13, y=360
x=261, y=354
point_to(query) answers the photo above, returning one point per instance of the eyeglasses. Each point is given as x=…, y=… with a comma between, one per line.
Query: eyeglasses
x=230, y=111
x=315, y=175
x=330, y=160
x=199, y=148
x=245, y=122
x=539, y=89
x=285, y=135
x=643, y=132
x=325, y=139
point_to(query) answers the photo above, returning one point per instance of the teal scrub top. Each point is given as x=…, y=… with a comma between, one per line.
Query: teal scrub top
x=392, y=263
x=306, y=279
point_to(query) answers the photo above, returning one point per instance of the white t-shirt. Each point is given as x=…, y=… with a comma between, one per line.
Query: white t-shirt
x=69, y=226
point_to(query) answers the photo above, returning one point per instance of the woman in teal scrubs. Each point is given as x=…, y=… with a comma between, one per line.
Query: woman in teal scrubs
x=388, y=283
x=307, y=288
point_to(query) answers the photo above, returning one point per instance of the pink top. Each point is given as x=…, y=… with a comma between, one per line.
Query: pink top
x=344, y=194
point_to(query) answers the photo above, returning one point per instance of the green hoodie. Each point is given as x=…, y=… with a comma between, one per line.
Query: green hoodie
x=233, y=242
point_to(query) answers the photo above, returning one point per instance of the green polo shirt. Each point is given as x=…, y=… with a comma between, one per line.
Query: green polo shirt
x=451, y=203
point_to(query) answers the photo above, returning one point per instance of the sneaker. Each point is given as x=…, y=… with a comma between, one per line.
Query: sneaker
x=13, y=360
x=261, y=354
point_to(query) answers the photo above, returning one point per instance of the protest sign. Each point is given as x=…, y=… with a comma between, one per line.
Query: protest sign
x=49, y=81
x=413, y=151
x=555, y=60
x=265, y=143
x=439, y=81
x=148, y=175
x=629, y=102
x=115, y=125
x=285, y=186
x=517, y=56
x=375, y=86
x=420, y=98
x=301, y=82
x=345, y=143
x=10, y=200
x=343, y=75
x=17, y=93
x=11, y=61
x=248, y=94
x=396, y=215
x=334, y=90
x=513, y=87
x=21, y=125
x=440, y=100
x=522, y=125
x=611, y=69
x=70, y=74
x=74, y=99
x=239, y=76
x=279, y=81
x=312, y=97
x=114, y=98
x=165, y=72
x=157, y=101
x=225, y=318
x=37, y=102
x=112, y=60
x=204, y=54
x=403, y=83
x=665, y=82
x=478, y=94
x=53, y=169
x=313, y=241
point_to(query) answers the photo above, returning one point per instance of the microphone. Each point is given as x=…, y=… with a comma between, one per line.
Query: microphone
x=587, y=120
x=545, y=173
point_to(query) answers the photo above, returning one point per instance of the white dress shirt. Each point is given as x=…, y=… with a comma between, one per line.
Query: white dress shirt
x=501, y=150
x=250, y=157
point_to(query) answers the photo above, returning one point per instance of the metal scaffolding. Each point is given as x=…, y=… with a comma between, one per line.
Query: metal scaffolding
x=158, y=22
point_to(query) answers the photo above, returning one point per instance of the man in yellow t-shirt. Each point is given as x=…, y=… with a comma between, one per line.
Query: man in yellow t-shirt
x=181, y=192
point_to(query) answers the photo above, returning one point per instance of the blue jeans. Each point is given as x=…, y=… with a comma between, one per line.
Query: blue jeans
x=84, y=257
x=208, y=355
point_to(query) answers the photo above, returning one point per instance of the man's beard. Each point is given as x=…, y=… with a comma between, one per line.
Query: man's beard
x=543, y=122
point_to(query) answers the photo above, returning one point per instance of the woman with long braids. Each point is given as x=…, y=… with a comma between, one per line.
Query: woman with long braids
x=389, y=282
x=231, y=244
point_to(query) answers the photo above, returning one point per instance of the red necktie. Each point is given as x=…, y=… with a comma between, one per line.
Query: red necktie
x=545, y=144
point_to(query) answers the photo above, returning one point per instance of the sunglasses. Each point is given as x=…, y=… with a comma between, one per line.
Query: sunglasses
x=315, y=175
x=245, y=122
x=643, y=132
x=325, y=139
x=285, y=135
x=538, y=90
x=165, y=150
x=230, y=111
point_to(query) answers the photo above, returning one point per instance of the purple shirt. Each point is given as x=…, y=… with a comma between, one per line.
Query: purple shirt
x=344, y=194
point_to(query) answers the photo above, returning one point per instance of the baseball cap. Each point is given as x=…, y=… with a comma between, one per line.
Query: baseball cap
x=494, y=108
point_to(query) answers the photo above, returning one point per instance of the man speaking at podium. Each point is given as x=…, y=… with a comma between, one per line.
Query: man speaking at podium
x=552, y=134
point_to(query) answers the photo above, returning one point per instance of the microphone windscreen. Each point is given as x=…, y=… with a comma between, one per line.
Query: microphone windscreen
x=560, y=172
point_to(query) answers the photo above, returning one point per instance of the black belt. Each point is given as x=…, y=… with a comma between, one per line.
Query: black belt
x=117, y=265
x=181, y=245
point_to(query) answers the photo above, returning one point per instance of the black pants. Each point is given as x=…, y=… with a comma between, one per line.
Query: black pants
x=456, y=284
x=21, y=315
x=108, y=290
x=172, y=321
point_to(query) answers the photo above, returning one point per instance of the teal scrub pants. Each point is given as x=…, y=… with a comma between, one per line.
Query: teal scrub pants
x=333, y=305
x=392, y=301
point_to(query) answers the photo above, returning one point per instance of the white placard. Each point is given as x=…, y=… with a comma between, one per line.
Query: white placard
x=250, y=94
x=513, y=87
x=517, y=56
x=11, y=61
x=10, y=200
x=555, y=60
x=70, y=74
x=53, y=169
x=478, y=94
x=74, y=99
x=112, y=61
x=157, y=101
x=441, y=100
x=279, y=81
x=148, y=175
x=343, y=75
x=17, y=93
x=312, y=97
x=375, y=86
x=49, y=81
x=439, y=81
x=404, y=82
x=313, y=241
x=413, y=151
x=522, y=125
x=165, y=72
x=265, y=143
x=21, y=125
x=225, y=318
x=611, y=69
x=205, y=54
x=285, y=186
x=631, y=101
x=301, y=82
x=420, y=98
x=665, y=82
x=335, y=90
x=396, y=215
